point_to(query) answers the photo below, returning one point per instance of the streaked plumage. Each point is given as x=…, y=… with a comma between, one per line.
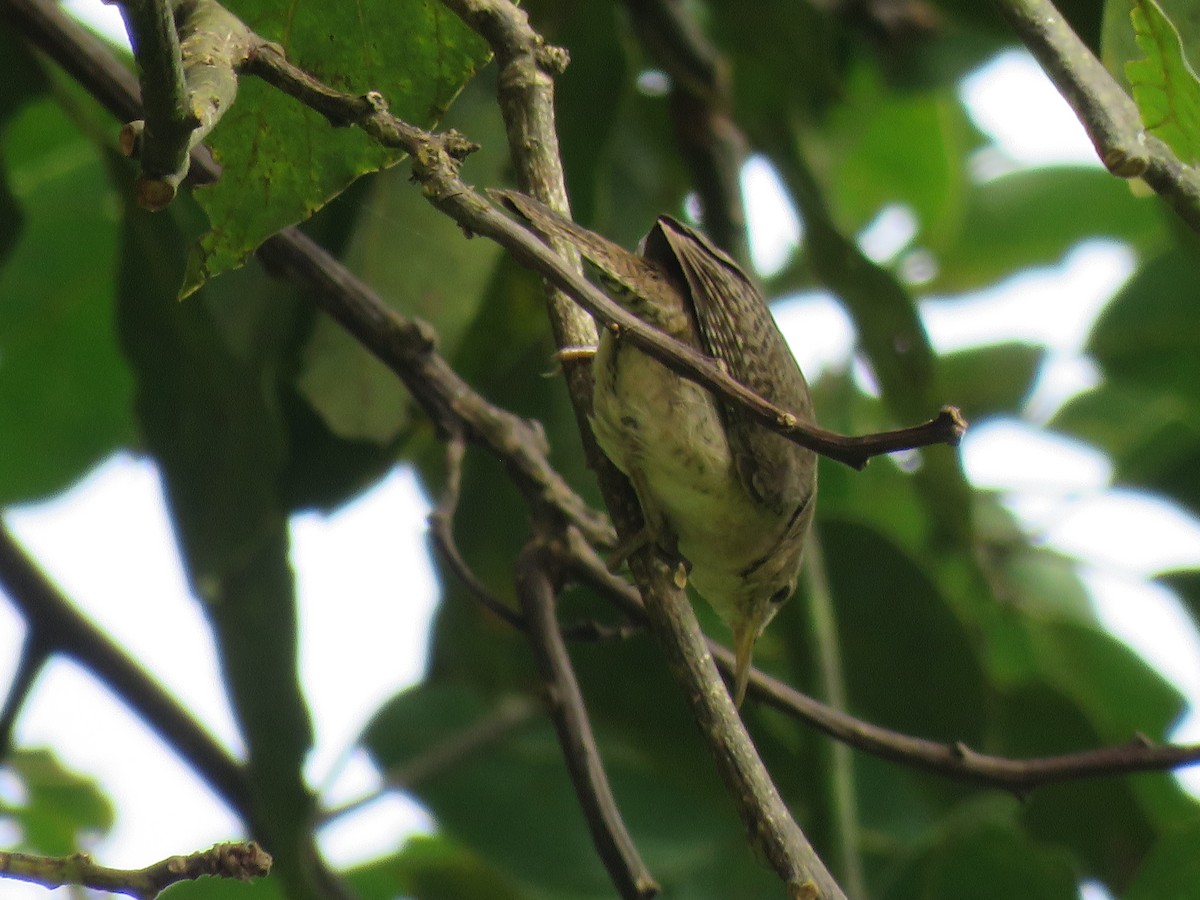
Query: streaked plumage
x=732, y=498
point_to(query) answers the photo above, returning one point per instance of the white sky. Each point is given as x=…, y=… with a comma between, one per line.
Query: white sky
x=365, y=580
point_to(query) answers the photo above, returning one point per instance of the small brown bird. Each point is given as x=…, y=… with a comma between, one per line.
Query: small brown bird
x=734, y=499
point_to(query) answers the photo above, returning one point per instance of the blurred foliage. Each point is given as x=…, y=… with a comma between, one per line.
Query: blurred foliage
x=55, y=811
x=951, y=622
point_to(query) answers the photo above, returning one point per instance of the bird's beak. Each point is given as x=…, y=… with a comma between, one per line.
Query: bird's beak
x=743, y=653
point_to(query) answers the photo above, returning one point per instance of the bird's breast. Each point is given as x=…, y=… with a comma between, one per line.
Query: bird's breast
x=667, y=435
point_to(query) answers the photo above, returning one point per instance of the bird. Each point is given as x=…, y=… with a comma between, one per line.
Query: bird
x=729, y=497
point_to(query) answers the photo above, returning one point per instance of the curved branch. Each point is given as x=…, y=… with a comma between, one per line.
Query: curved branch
x=35, y=652
x=1107, y=113
x=50, y=615
x=614, y=844
x=441, y=529
x=955, y=760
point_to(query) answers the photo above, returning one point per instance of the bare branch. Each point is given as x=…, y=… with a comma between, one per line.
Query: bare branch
x=613, y=842
x=35, y=652
x=241, y=861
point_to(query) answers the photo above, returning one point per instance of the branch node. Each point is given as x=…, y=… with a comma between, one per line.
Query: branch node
x=376, y=101
x=1125, y=164
x=551, y=59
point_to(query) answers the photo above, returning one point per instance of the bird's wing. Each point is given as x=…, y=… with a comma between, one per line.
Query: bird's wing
x=736, y=326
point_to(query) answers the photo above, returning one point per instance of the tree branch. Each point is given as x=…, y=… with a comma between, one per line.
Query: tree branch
x=188, y=80
x=613, y=842
x=710, y=140
x=955, y=760
x=1108, y=114
x=51, y=616
x=441, y=529
x=242, y=861
x=35, y=652
x=164, y=135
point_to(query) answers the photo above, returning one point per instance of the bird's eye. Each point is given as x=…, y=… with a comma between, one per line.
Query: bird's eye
x=781, y=595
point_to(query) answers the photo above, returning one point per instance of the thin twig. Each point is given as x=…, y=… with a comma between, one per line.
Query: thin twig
x=240, y=861
x=1107, y=113
x=613, y=842
x=441, y=529
x=955, y=760
x=48, y=613
x=35, y=651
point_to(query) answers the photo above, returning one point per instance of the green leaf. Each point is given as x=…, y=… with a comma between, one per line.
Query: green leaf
x=900, y=639
x=209, y=888
x=1032, y=218
x=1165, y=85
x=420, y=262
x=1186, y=585
x=987, y=862
x=65, y=392
x=1147, y=334
x=986, y=381
x=1036, y=720
x=1144, y=414
x=1116, y=688
x=60, y=806
x=1171, y=871
x=432, y=867
x=282, y=161
x=888, y=147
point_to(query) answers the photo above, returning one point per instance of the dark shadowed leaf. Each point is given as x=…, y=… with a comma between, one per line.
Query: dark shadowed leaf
x=1171, y=871
x=64, y=390
x=989, y=862
x=1032, y=217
